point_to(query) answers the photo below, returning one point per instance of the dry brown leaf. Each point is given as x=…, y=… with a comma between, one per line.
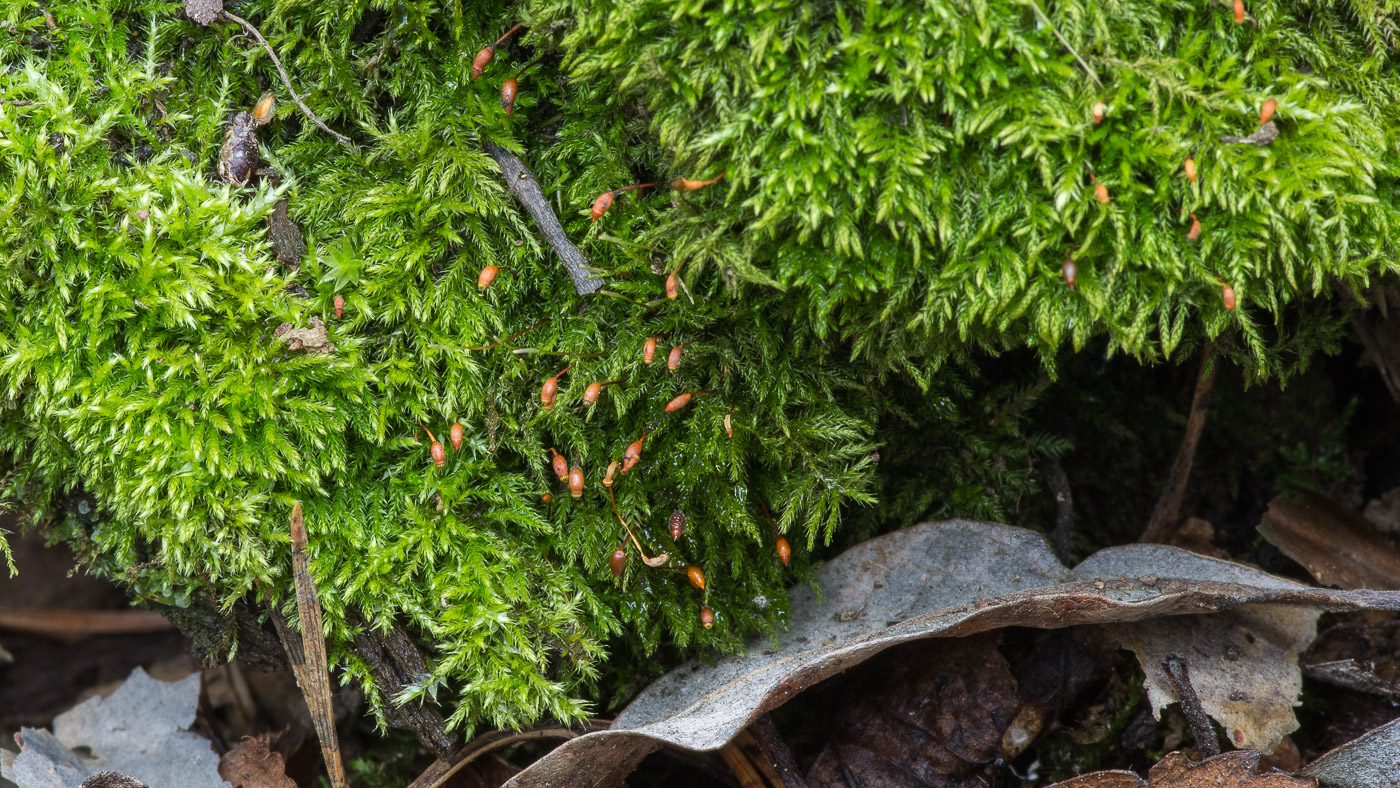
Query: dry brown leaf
x=1236, y=769
x=1337, y=546
x=312, y=339
x=1243, y=665
x=252, y=764
x=948, y=579
x=1371, y=761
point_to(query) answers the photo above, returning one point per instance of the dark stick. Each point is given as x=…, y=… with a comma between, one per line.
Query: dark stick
x=286, y=80
x=523, y=185
x=1180, y=677
x=1168, y=509
x=1064, y=507
x=777, y=752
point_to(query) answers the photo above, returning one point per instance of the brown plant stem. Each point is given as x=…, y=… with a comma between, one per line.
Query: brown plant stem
x=775, y=749
x=1064, y=507
x=286, y=80
x=307, y=653
x=1167, y=512
x=522, y=183
x=1180, y=677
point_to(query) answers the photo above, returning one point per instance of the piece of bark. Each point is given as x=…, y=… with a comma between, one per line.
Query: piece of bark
x=1238, y=769
x=307, y=653
x=521, y=182
x=1337, y=546
x=394, y=662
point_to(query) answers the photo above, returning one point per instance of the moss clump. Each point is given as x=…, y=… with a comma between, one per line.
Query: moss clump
x=903, y=183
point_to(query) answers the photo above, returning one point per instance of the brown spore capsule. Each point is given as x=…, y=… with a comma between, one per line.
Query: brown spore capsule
x=784, y=551
x=673, y=360
x=649, y=350
x=695, y=576
x=1101, y=193
x=601, y=205
x=633, y=453
x=590, y=394
x=707, y=617
x=1099, y=109
x=454, y=435
x=677, y=525
x=481, y=61
x=618, y=562
x=1190, y=167
x=685, y=184
x=439, y=454
x=1228, y=294
x=1070, y=271
x=576, y=482
x=561, y=465
x=1239, y=12
x=679, y=402
x=546, y=499
x=673, y=285
x=1195, y=231
x=509, y=89
x=487, y=276
x=339, y=306
x=1266, y=112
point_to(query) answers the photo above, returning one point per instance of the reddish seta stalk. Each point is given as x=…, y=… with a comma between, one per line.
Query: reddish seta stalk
x=612, y=469
x=660, y=559
x=729, y=424
x=483, y=58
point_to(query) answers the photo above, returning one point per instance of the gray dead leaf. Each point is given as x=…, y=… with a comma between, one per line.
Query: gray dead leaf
x=946, y=579
x=312, y=339
x=137, y=731
x=1243, y=662
x=1371, y=761
x=204, y=11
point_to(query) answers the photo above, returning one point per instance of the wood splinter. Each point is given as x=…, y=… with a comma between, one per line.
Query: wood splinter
x=307, y=652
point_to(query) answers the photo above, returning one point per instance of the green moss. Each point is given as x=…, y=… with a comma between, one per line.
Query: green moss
x=903, y=183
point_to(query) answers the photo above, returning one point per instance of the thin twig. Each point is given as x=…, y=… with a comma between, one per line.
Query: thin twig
x=775, y=749
x=307, y=654
x=1168, y=509
x=1064, y=507
x=523, y=184
x=438, y=773
x=286, y=80
x=1071, y=49
x=1180, y=678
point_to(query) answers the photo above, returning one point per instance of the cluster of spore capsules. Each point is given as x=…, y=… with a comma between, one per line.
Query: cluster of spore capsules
x=573, y=476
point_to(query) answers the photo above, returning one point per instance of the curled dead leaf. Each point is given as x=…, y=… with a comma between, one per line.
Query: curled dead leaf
x=948, y=579
x=1238, y=769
